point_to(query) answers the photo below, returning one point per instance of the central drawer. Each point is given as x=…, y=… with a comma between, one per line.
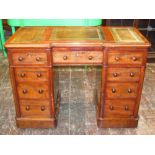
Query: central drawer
x=77, y=57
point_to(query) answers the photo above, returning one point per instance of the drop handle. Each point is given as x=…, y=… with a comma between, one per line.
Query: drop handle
x=20, y=58
x=111, y=107
x=27, y=108
x=126, y=108
x=117, y=58
x=39, y=74
x=22, y=75
x=38, y=58
x=113, y=90
x=90, y=57
x=40, y=91
x=65, y=57
x=134, y=58
x=24, y=91
x=129, y=90
x=115, y=74
x=42, y=108
x=132, y=74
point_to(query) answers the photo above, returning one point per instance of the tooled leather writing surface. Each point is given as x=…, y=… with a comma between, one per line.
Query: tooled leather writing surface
x=76, y=33
x=30, y=35
x=125, y=35
x=45, y=36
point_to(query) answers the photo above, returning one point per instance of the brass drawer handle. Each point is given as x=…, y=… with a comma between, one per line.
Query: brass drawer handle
x=115, y=74
x=117, y=58
x=134, y=58
x=42, y=108
x=111, y=107
x=38, y=59
x=20, y=58
x=126, y=108
x=90, y=57
x=24, y=91
x=65, y=57
x=132, y=74
x=113, y=90
x=27, y=108
x=40, y=91
x=39, y=74
x=22, y=75
x=129, y=90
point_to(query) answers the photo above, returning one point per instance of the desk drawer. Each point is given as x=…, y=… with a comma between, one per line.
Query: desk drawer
x=130, y=58
x=29, y=57
x=24, y=74
x=119, y=108
x=34, y=108
x=121, y=90
x=33, y=90
x=77, y=57
x=123, y=74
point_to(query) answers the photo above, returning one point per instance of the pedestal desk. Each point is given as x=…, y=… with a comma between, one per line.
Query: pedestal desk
x=34, y=51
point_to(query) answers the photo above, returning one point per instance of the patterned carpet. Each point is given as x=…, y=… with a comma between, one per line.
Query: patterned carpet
x=77, y=110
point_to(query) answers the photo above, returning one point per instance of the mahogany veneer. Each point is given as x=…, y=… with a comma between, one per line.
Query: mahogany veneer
x=33, y=51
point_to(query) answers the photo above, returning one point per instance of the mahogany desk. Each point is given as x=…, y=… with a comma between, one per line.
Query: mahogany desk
x=120, y=51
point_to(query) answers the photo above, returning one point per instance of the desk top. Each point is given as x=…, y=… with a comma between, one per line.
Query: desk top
x=75, y=36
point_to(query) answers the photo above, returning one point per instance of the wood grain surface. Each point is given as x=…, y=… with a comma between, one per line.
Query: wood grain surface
x=33, y=51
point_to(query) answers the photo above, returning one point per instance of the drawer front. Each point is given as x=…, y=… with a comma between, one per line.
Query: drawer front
x=116, y=57
x=26, y=58
x=123, y=74
x=76, y=57
x=121, y=90
x=31, y=74
x=33, y=90
x=34, y=108
x=120, y=108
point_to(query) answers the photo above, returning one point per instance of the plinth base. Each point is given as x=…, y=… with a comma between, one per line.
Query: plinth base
x=36, y=123
x=117, y=122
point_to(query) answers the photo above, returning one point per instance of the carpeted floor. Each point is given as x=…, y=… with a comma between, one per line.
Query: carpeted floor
x=77, y=110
